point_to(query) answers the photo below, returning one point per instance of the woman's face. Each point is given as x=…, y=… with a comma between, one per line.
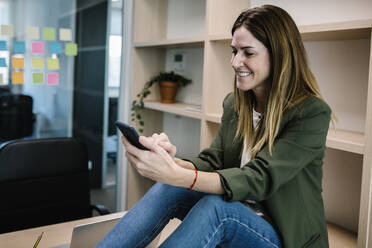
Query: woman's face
x=250, y=61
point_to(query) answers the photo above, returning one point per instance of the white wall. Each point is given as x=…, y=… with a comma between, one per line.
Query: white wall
x=185, y=18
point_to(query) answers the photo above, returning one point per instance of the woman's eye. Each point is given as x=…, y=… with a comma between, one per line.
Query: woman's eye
x=234, y=52
x=248, y=54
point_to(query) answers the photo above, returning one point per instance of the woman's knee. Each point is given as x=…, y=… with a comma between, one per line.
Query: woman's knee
x=209, y=202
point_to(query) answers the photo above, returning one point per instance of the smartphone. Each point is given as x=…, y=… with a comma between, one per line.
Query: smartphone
x=131, y=134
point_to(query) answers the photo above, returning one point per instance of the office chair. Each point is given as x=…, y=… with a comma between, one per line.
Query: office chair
x=42, y=182
x=16, y=116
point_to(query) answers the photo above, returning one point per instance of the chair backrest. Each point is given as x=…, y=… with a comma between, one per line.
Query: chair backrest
x=16, y=116
x=43, y=181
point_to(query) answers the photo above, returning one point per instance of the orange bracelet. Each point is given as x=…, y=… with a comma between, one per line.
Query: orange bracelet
x=196, y=177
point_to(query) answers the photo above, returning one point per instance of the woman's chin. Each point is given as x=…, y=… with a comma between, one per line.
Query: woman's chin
x=243, y=86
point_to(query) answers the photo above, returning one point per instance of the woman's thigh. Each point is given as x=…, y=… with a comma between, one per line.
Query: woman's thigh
x=213, y=221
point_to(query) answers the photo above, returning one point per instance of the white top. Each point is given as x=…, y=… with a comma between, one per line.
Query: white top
x=246, y=153
x=246, y=156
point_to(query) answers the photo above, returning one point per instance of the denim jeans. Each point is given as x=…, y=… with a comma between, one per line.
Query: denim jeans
x=207, y=221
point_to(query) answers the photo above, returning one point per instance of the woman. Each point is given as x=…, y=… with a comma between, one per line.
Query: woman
x=260, y=182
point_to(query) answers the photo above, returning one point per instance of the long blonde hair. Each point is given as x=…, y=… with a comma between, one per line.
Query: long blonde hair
x=291, y=79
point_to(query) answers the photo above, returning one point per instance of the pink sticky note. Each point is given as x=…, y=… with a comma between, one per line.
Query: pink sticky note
x=38, y=47
x=53, y=78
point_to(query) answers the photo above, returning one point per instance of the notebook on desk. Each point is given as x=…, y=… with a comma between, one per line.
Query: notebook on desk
x=88, y=235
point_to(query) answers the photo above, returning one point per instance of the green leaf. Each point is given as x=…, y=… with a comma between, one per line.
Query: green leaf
x=140, y=130
x=141, y=123
x=139, y=116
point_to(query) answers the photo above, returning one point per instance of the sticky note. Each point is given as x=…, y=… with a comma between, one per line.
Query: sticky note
x=2, y=45
x=18, y=63
x=37, y=63
x=33, y=33
x=37, y=47
x=7, y=30
x=3, y=62
x=19, y=47
x=37, y=77
x=55, y=47
x=49, y=34
x=65, y=34
x=71, y=49
x=53, y=78
x=17, y=77
x=53, y=64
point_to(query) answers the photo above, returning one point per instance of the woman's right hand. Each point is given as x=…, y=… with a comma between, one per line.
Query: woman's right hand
x=163, y=141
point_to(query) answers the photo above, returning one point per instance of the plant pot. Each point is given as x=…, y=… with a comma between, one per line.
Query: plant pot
x=168, y=91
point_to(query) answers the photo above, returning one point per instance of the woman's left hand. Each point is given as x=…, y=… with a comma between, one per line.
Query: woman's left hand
x=155, y=164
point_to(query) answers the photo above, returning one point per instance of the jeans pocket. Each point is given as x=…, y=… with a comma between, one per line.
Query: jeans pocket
x=312, y=240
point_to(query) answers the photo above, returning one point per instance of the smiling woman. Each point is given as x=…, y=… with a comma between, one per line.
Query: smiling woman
x=259, y=184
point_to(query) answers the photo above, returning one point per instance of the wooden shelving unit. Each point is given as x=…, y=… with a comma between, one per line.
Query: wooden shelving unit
x=183, y=109
x=151, y=43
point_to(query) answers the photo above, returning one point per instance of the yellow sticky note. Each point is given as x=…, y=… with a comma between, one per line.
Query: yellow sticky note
x=49, y=34
x=7, y=30
x=33, y=33
x=37, y=63
x=17, y=77
x=53, y=64
x=65, y=34
x=18, y=63
x=71, y=49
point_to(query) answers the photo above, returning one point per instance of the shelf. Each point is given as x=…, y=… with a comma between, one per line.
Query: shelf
x=359, y=29
x=215, y=118
x=341, y=238
x=185, y=42
x=345, y=140
x=182, y=109
x=220, y=37
x=337, y=139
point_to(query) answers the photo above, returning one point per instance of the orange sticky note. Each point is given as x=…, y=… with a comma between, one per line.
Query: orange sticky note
x=17, y=77
x=18, y=63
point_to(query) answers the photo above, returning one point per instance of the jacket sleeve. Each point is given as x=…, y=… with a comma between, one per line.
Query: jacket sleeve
x=301, y=141
x=211, y=159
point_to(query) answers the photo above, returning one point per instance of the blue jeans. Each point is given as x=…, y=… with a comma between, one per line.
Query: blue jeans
x=207, y=221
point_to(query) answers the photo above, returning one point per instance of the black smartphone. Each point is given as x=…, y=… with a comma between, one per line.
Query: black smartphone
x=131, y=134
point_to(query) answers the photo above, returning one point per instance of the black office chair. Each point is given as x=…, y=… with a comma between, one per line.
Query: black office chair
x=16, y=116
x=42, y=182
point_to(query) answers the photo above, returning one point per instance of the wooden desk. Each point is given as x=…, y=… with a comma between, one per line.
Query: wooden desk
x=54, y=235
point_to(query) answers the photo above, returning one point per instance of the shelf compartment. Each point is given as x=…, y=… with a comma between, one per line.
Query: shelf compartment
x=339, y=237
x=345, y=140
x=170, y=43
x=182, y=109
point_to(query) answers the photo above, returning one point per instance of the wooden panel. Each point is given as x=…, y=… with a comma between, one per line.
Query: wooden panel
x=218, y=76
x=209, y=131
x=365, y=218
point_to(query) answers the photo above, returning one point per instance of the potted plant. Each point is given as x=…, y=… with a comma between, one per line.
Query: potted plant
x=169, y=83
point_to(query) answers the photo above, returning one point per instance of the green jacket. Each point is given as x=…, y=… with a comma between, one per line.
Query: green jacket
x=288, y=183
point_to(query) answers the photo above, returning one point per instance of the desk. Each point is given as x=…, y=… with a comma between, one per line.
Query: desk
x=57, y=234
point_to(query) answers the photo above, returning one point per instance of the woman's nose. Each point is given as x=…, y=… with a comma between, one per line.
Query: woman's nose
x=236, y=61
